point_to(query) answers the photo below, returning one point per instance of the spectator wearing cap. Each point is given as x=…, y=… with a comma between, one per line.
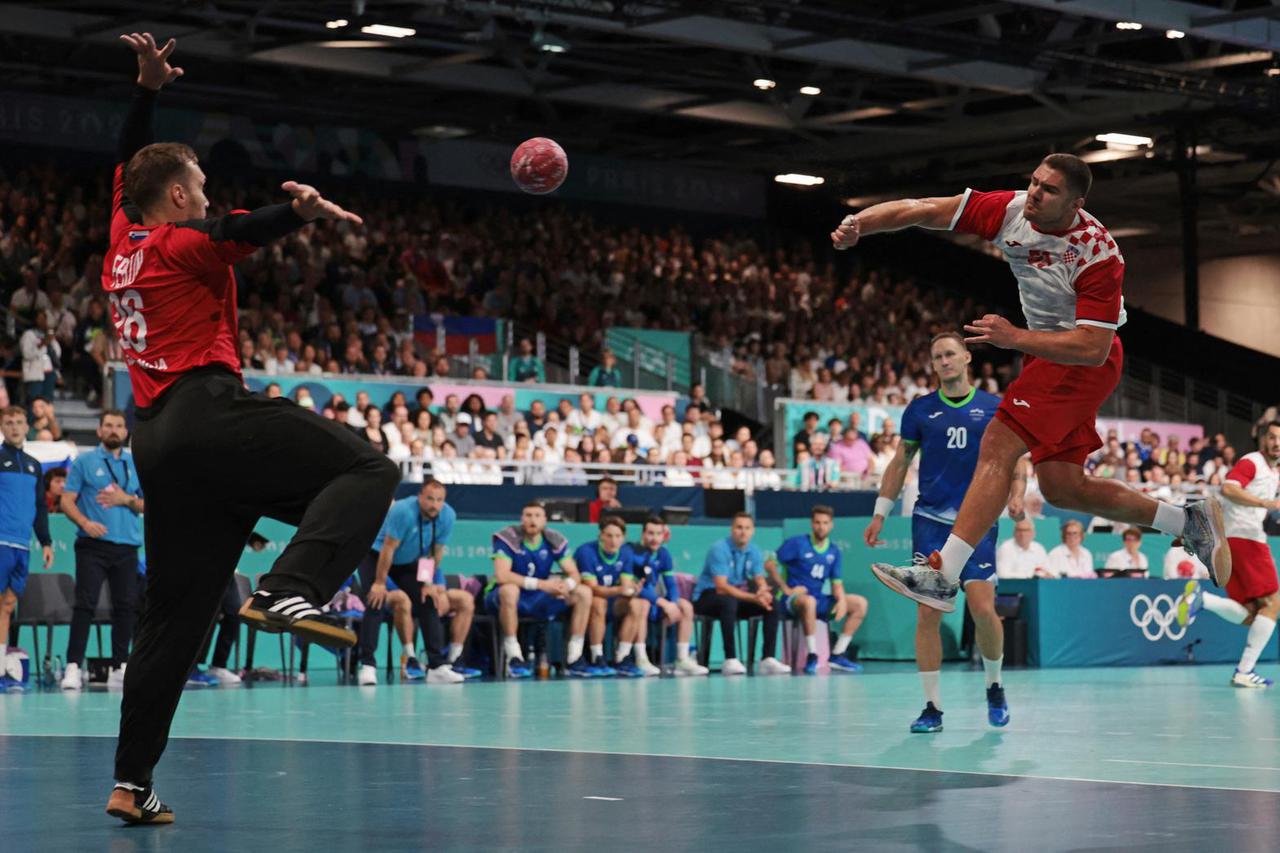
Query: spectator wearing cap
x=462, y=439
x=606, y=374
x=527, y=367
x=1129, y=557
x=1071, y=559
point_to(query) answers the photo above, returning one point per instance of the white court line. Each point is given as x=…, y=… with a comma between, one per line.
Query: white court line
x=1187, y=764
x=347, y=742
x=605, y=799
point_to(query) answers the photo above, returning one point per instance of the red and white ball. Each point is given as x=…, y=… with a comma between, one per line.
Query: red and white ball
x=539, y=165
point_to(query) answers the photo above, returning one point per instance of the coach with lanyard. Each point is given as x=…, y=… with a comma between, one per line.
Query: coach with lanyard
x=407, y=550
x=103, y=497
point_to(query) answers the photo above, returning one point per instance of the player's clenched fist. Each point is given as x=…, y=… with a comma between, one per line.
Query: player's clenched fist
x=847, y=233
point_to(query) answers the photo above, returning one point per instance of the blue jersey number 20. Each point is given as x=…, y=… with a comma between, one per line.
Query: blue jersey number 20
x=957, y=438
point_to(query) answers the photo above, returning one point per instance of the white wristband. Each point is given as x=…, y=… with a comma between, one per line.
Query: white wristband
x=884, y=506
x=570, y=583
x=531, y=584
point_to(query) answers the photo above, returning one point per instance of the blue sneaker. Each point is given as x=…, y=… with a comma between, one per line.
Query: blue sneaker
x=601, y=669
x=997, y=708
x=466, y=671
x=517, y=668
x=581, y=669
x=627, y=669
x=929, y=721
x=412, y=670
x=12, y=685
x=811, y=664
x=1191, y=602
x=841, y=663
x=198, y=679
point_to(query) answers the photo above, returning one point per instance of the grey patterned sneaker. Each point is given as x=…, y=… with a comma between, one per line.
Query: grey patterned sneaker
x=922, y=581
x=1205, y=536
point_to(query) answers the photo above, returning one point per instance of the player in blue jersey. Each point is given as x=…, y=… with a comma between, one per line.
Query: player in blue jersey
x=22, y=513
x=811, y=561
x=660, y=598
x=523, y=556
x=605, y=566
x=945, y=427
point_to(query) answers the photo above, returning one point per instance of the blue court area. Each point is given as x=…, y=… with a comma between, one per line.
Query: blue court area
x=1161, y=758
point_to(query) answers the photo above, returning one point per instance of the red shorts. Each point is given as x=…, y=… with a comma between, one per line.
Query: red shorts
x=1253, y=570
x=1054, y=407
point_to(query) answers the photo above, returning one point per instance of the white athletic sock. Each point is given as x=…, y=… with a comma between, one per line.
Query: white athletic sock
x=955, y=553
x=4, y=650
x=455, y=652
x=932, y=690
x=621, y=653
x=1233, y=611
x=575, y=648
x=992, y=669
x=511, y=648
x=410, y=652
x=811, y=643
x=1169, y=519
x=1259, y=635
x=842, y=644
x=682, y=651
x=642, y=654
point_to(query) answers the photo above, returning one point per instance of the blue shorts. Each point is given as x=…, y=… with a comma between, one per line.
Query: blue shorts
x=533, y=603
x=13, y=569
x=928, y=536
x=826, y=603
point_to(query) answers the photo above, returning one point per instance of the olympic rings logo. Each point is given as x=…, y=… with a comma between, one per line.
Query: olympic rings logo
x=1159, y=620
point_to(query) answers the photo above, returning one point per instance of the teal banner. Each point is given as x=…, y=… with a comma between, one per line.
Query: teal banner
x=789, y=420
x=653, y=348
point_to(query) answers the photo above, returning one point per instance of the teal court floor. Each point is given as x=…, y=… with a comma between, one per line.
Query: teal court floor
x=1156, y=759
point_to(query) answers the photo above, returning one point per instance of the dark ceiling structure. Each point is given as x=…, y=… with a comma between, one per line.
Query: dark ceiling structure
x=879, y=99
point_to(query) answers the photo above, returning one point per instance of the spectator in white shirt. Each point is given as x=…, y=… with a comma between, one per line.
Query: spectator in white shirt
x=676, y=476
x=612, y=417
x=1179, y=565
x=40, y=349
x=1071, y=559
x=584, y=420
x=1129, y=557
x=1022, y=556
x=634, y=427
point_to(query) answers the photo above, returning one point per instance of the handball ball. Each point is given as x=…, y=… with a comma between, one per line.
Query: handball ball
x=539, y=165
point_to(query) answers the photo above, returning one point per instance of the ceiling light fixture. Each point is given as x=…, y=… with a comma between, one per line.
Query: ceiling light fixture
x=548, y=42
x=1174, y=34
x=764, y=83
x=1128, y=25
x=811, y=91
x=1124, y=139
x=387, y=30
x=799, y=180
x=337, y=24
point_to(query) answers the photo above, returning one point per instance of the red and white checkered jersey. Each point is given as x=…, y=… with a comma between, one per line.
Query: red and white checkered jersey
x=1259, y=478
x=1066, y=278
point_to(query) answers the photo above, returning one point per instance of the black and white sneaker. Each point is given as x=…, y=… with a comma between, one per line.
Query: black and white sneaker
x=277, y=612
x=138, y=806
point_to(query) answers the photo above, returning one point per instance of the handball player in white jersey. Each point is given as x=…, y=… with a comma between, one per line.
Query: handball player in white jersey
x=1252, y=489
x=1069, y=273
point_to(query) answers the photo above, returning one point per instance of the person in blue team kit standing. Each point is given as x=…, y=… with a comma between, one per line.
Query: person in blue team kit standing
x=605, y=566
x=22, y=512
x=812, y=560
x=523, y=556
x=411, y=540
x=945, y=427
x=721, y=592
x=654, y=571
x=103, y=496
